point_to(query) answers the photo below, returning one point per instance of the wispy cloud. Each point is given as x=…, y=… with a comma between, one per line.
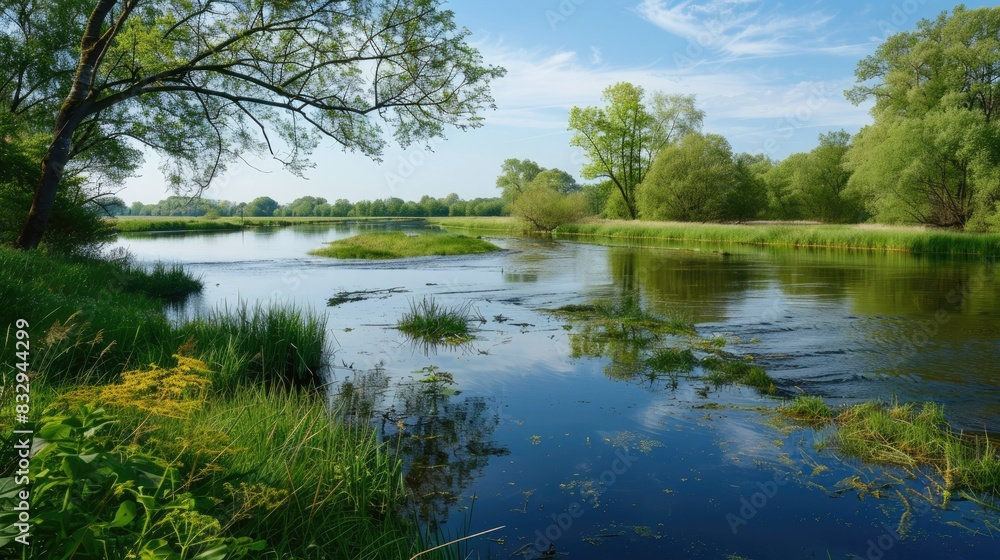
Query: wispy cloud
x=741, y=29
x=541, y=87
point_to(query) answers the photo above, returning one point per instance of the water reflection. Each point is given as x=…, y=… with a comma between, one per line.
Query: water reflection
x=444, y=441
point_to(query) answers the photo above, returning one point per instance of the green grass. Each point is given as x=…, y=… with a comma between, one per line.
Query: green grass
x=807, y=409
x=133, y=225
x=833, y=236
x=671, y=360
x=724, y=372
x=263, y=460
x=430, y=321
x=505, y=224
x=398, y=245
x=909, y=435
x=259, y=345
x=624, y=315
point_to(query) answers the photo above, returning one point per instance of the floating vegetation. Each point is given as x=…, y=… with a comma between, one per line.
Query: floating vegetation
x=360, y=295
x=629, y=440
x=807, y=409
x=721, y=372
x=635, y=342
x=397, y=245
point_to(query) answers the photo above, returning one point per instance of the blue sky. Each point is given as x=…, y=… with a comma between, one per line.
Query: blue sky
x=769, y=75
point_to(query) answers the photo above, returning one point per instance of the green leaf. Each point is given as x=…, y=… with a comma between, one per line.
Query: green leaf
x=55, y=431
x=124, y=515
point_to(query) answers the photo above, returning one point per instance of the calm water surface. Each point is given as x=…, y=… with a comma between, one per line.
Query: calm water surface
x=575, y=454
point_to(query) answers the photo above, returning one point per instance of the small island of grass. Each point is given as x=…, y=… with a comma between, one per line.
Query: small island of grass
x=398, y=245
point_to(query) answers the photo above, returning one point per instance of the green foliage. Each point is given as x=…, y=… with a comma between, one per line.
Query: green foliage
x=811, y=186
x=721, y=372
x=261, y=206
x=515, y=174
x=931, y=155
x=429, y=321
x=914, y=435
x=398, y=245
x=259, y=345
x=832, y=236
x=622, y=139
x=698, y=180
x=94, y=499
x=544, y=207
x=807, y=409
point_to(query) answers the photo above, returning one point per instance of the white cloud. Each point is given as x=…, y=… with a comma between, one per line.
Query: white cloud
x=595, y=55
x=741, y=29
x=541, y=87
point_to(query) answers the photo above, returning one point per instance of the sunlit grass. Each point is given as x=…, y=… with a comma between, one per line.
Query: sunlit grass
x=908, y=435
x=831, y=236
x=397, y=245
x=431, y=321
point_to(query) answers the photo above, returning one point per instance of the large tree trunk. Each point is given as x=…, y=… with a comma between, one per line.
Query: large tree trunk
x=68, y=119
x=45, y=193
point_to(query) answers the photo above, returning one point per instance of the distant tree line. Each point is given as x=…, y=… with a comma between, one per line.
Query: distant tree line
x=309, y=206
x=932, y=156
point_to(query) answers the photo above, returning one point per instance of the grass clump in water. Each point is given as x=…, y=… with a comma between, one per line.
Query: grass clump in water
x=909, y=435
x=624, y=317
x=722, y=372
x=671, y=360
x=398, y=245
x=433, y=322
x=807, y=409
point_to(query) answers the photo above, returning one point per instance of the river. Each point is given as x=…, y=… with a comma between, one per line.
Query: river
x=575, y=454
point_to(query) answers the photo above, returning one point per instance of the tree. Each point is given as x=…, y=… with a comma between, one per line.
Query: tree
x=545, y=208
x=515, y=174
x=622, y=139
x=202, y=82
x=813, y=185
x=930, y=156
x=261, y=206
x=690, y=181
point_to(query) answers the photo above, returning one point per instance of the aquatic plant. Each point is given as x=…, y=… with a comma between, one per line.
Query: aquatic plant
x=807, y=408
x=431, y=321
x=259, y=344
x=722, y=371
x=397, y=245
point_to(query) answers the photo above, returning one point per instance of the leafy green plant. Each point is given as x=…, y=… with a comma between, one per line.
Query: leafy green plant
x=93, y=499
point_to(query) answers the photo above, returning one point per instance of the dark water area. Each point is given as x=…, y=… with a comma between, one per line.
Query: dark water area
x=551, y=432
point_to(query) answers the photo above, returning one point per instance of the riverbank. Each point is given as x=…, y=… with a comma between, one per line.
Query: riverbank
x=195, y=439
x=860, y=236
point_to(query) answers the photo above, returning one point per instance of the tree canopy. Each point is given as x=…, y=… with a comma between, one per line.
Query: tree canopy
x=931, y=155
x=622, y=139
x=204, y=82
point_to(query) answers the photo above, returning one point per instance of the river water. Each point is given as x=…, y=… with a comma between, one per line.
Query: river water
x=544, y=432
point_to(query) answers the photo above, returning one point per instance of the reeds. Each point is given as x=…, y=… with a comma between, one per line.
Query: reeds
x=830, y=236
x=433, y=322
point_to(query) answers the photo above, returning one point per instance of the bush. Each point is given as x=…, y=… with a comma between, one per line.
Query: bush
x=545, y=209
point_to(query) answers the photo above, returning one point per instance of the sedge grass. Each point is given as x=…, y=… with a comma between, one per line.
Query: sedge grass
x=724, y=372
x=791, y=235
x=259, y=344
x=909, y=435
x=398, y=245
x=433, y=322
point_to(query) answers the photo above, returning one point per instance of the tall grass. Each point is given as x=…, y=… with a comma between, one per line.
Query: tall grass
x=833, y=236
x=430, y=321
x=259, y=345
x=909, y=435
x=504, y=224
x=397, y=245
x=133, y=225
x=90, y=315
x=339, y=490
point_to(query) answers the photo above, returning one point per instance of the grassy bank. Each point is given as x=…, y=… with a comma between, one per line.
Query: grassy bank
x=397, y=245
x=506, y=224
x=908, y=435
x=223, y=448
x=830, y=236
